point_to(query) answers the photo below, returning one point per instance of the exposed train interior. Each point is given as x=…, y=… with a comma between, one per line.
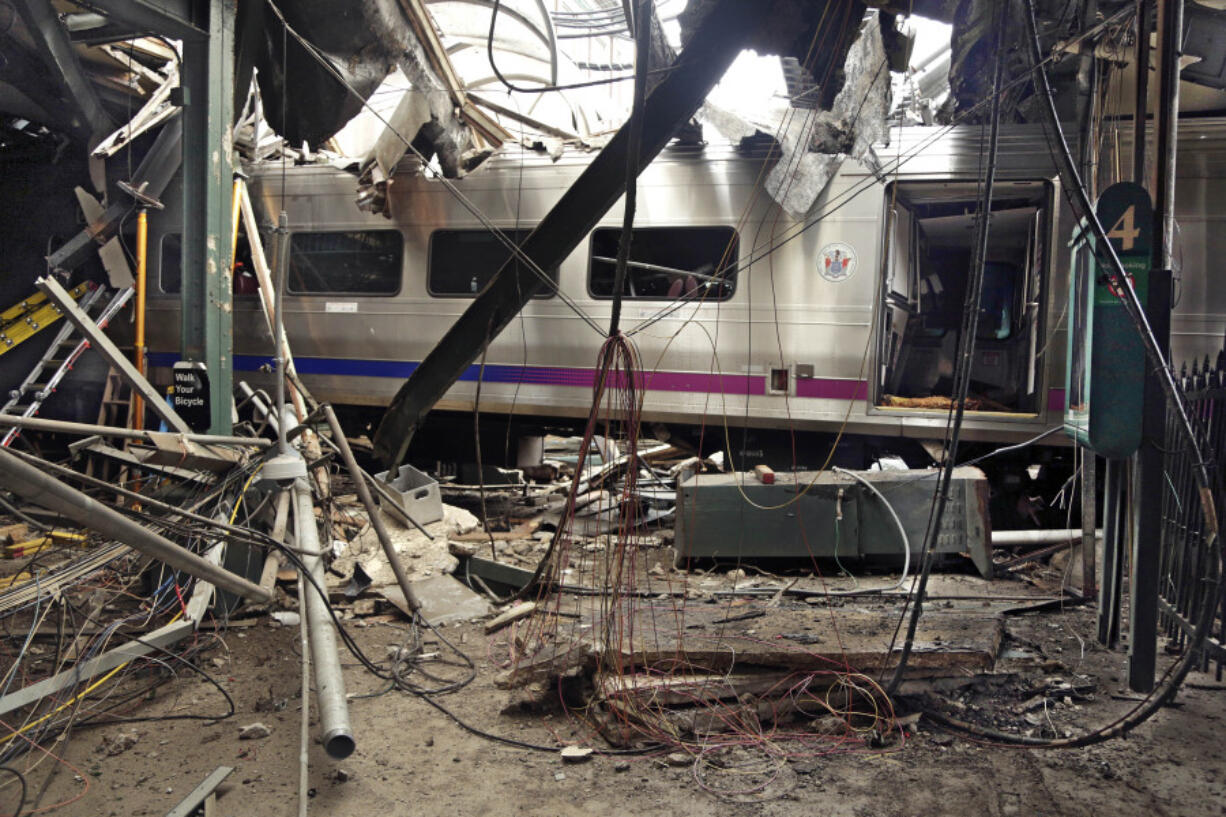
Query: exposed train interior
x=930, y=242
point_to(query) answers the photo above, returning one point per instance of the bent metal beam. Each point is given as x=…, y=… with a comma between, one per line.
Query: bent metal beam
x=727, y=28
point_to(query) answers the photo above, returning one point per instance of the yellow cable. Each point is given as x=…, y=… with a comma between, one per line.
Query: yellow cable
x=111, y=674
x=78, y=696
x=243, y=492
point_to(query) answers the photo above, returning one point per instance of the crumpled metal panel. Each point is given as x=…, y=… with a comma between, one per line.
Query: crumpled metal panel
x=362, y=39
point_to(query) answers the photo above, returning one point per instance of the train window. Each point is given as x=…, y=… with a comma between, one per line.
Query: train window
x=667, y=263
x=171, y=263
x=356, y=262
x=462, y=262
x=930, y=235
x=171, y=259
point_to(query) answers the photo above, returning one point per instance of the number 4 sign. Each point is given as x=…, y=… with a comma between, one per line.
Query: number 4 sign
x=1125, y=230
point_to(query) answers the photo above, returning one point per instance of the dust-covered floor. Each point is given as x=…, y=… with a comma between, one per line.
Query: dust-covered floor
x=413, y=760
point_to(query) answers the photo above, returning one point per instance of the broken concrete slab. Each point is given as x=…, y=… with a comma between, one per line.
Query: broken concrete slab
x=444, y=600
x=420, y=556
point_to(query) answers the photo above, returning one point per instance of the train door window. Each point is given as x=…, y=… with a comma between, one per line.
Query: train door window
x=355, y=262
x=462, y=262
x=171, y=258
x=667, y=263
x=170, y=264
x=930, y=235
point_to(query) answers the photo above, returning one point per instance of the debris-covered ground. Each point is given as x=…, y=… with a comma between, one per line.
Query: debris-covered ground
x=620, y=682
x=412, y=759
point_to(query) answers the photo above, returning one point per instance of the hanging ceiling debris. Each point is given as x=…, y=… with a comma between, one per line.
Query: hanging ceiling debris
x=814, y=136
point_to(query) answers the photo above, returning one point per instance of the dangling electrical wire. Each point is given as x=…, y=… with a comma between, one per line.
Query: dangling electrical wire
x=1211, y=593
x=642, y=40
x=966, y=351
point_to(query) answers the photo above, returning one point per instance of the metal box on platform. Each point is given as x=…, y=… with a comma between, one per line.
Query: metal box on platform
x=807, y=515
x=416, y=492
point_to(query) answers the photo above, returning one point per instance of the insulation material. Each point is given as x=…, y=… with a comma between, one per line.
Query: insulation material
x=816, y=144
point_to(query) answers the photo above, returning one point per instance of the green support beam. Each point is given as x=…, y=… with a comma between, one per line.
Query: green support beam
x=208, y=77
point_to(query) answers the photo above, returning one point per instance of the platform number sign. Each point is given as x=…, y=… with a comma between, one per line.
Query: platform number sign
x=1106, y=366
x=1125, y=230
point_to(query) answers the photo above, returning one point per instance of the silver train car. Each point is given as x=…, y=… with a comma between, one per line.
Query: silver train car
x=844, y=320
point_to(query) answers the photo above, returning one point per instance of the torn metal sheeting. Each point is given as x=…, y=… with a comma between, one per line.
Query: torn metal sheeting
x=156, y=110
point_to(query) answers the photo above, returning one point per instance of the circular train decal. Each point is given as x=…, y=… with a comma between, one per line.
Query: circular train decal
x=836, y=262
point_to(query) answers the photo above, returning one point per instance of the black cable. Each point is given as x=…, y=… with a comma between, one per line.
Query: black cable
x=1105, y=250
x=1210, y=594
x=523, y=744
x=966, y=351
x=21, y=778
x=634, y=130
x=199, y=671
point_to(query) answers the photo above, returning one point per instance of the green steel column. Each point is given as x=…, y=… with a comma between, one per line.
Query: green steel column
x=208, y=77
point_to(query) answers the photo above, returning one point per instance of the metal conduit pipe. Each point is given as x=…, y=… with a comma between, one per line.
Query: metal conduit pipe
x=1013, y=538
x=335, y=732
x=28, y=482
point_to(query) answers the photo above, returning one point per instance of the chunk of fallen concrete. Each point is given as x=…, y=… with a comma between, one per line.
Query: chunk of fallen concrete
x=576, y=754
x=521, y=610
x=254, y=731
x=120, y=743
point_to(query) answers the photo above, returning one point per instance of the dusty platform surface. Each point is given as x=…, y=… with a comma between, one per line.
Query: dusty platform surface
x=413, y=760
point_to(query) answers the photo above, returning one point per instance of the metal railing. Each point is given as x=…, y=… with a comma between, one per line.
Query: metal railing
x=1185, y=553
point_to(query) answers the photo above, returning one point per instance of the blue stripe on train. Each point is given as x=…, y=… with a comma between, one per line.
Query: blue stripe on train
x=400, y=369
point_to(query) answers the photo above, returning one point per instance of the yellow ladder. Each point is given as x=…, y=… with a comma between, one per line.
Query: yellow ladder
x=25, y=319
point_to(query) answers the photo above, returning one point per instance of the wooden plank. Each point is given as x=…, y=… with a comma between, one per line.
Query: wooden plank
x=691, y=688
x=947, y=642
x=522, y=610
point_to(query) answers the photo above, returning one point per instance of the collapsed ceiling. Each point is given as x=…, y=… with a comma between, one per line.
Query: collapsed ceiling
x=455, y=79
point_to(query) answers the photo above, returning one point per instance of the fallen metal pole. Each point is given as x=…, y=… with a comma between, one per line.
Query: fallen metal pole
x=372, y=510
x=90, y=429
x=106, y=347
x=392, y=505
x=34, y=486
x=1012, y=538
x=335, y=732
